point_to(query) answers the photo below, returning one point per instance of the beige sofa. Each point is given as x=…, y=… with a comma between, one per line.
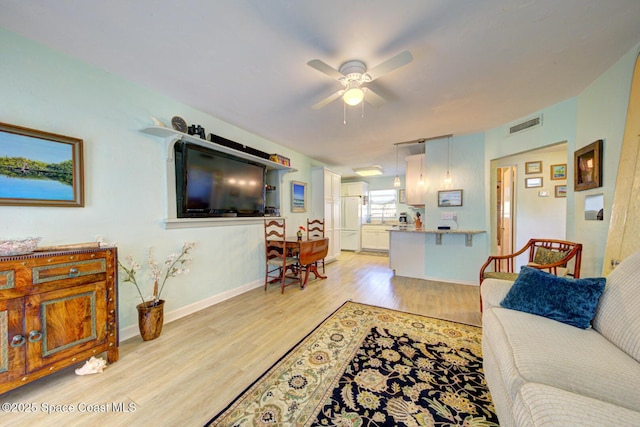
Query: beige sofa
x=542, y=372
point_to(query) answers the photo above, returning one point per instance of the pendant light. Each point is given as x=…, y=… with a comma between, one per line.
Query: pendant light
x=396, y=180
x=447, y=177
x=421, y=180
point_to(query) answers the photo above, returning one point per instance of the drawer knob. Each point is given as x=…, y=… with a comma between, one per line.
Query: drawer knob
x=18, y=341
x=35, y=336
x=73, y=272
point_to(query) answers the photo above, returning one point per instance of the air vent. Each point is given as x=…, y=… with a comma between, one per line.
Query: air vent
x=536, y=121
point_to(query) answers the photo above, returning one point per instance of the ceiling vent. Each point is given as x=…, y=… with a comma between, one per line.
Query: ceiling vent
x=528, y=124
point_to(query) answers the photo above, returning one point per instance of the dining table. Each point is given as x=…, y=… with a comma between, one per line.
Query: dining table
x=309, y=251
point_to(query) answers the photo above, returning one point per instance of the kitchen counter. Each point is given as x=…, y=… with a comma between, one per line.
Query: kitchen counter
x=414, y=253
x=411, y=229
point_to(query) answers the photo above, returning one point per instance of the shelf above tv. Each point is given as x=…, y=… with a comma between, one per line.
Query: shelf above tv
x=171, y=136
x=275, y=175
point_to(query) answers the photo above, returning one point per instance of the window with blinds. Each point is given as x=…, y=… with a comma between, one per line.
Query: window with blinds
x=382, y=204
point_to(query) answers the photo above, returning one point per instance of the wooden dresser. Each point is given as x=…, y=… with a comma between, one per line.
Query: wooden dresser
x=56, y=309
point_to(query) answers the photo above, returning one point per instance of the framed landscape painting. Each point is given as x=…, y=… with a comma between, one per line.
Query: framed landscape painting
x=449, y=198
x=40, y=168
x=559, y=171
x=298, y=196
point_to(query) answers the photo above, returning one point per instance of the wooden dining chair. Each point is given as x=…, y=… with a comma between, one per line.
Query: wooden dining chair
x=315, y=228
x=279, y=259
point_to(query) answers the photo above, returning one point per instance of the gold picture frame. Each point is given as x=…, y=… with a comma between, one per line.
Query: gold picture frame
x=39, y=168
x=533, y=167
x=587, y=167
x=298, y=196
x=559, y=171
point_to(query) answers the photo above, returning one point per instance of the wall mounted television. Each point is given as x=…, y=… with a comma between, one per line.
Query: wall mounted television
x=214, y=184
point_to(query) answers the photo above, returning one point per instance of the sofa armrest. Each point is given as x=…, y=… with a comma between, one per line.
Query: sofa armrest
x=493, y=292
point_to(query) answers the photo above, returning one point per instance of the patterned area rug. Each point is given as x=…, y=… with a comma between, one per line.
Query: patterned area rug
x=371, y=366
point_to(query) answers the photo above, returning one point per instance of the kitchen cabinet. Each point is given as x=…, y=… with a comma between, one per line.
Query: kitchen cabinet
x=375, y=237
x=354, y=189
x=325, y=203
x=416, y=194
x=56, y=309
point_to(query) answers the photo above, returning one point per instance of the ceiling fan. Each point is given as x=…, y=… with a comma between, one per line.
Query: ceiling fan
x=353, y=75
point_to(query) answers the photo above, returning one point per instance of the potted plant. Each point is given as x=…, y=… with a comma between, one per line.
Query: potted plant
x=151, y=309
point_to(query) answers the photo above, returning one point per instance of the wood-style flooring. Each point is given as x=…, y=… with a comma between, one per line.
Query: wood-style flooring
x=202, y=361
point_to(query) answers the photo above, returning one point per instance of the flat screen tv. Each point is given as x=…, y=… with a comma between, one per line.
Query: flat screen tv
x=214, y=184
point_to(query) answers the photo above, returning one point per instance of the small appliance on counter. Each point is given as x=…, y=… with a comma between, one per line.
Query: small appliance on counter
x=402, y=219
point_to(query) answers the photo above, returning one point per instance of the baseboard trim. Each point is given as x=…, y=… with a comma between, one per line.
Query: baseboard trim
x=132, y=331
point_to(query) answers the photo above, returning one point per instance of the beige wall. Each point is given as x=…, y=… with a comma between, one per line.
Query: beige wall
x=624, y=230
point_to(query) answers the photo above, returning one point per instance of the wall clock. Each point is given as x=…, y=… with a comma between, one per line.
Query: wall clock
x=179, y=124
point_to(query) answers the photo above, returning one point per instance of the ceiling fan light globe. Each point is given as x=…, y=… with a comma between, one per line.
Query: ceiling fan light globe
x=353, y=96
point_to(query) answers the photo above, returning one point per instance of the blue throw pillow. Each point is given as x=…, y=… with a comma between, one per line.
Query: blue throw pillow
x=571, y=301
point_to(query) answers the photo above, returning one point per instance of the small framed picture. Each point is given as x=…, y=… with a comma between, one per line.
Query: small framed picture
x=533, y=167
x=298, y=196
x=533, y=182
x=561, y=190
x=559, y=171
x=587, y=167
x=449, y=198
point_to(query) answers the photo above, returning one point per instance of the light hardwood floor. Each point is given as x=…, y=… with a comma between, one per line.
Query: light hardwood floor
x=201, y=362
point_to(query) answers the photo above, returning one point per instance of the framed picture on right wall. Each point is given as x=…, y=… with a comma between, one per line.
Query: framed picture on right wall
x=587, y=166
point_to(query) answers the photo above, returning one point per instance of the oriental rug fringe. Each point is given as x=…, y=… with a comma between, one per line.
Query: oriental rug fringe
x=371, y=366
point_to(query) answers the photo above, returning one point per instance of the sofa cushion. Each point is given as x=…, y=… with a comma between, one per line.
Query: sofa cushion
x=546, y=256
x=542, y=405
x=502, y=275
x=618, y=316
x=530, y=348
x=571, y=301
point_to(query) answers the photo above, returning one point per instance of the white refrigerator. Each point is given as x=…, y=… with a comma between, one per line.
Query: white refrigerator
x=351, y=220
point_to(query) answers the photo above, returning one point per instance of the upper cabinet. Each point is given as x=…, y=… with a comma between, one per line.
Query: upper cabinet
x=416, y=170
x=354, y=189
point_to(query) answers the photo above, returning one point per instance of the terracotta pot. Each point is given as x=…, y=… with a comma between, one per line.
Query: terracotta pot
x=150, y=319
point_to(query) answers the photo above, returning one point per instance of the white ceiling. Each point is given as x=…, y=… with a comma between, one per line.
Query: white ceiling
x=477, y=64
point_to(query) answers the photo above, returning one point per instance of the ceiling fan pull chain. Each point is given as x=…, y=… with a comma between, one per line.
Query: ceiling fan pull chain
x=344, y=113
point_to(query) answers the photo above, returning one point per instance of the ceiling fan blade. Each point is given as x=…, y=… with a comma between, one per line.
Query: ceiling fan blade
x=403, y=58
x=373, y=98
x=329, y=99
x=324, y=68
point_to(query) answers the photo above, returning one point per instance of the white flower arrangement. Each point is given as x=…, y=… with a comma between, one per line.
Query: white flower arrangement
x=174, y=265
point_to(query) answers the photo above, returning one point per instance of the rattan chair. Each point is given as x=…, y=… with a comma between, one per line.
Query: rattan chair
x=559, y=257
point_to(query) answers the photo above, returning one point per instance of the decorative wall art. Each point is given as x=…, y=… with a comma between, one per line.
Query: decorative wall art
x=402, y=196
x=559, y=171
x=298, y=196
x=449, y=198
x=561, y=191
x=533, y=167
x=39, y=168
x=533, y=182
x=588, y=166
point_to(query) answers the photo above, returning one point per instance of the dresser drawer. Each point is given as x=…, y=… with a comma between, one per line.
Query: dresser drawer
x=68, y=270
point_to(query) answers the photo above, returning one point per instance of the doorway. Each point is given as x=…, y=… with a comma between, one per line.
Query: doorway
x=506, y=202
